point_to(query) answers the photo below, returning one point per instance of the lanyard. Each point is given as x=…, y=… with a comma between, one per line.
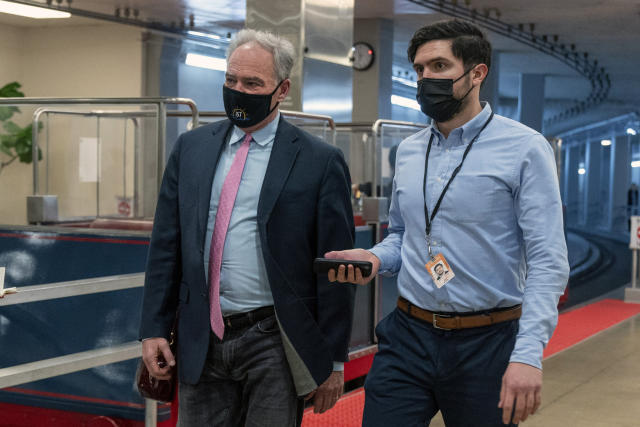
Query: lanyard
x=429, y=220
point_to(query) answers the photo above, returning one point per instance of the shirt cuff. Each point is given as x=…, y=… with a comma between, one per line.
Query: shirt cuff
x=528, y=351
x=338, y=366
x=383, y=256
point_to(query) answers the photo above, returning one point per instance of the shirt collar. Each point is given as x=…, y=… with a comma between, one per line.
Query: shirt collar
x=262, y=137
x=467, y=131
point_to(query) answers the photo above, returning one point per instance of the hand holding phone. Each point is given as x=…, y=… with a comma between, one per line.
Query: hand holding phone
x=323, y=265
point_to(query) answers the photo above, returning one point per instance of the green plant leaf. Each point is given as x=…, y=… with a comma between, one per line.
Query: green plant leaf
x=11, y=127
x=7, y=112
x=6, y=150
x=9, y=140
x=11, y=90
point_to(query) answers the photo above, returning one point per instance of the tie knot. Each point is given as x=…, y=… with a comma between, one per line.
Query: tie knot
x=247, y=139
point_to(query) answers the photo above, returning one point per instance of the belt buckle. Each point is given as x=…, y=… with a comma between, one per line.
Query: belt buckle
x=434, y=322
x=227, y=321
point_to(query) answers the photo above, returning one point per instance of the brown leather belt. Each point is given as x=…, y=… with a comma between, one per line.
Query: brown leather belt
x=453, y=321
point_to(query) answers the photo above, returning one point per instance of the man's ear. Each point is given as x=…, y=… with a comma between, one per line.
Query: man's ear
x=283, y=90
x=479, y=73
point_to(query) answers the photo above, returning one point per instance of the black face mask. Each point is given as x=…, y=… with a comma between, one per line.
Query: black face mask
x=247, y=109
x=436, y=99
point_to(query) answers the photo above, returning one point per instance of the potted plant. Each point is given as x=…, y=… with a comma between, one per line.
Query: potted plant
x=15, y=141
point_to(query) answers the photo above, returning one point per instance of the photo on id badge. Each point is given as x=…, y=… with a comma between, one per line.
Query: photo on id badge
x=440, y=271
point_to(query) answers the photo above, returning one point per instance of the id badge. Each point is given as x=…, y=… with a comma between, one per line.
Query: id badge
x=440, y=271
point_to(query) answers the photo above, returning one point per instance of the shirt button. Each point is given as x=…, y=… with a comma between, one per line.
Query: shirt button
x=446, y=151
x=439, y=179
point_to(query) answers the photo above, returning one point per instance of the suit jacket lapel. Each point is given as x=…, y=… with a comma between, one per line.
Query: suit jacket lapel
x=284, y=152
x=211, y=153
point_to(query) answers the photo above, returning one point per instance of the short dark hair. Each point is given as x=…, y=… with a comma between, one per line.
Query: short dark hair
x=468, y=43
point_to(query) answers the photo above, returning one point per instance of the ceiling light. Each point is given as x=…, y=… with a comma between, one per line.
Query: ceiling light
x=31, y=11
x=405, y=102
x=631, y=131
x=605, y=142
x=635, y=164
x=582, y=171
x=209, y=62
x=405, y=82
x=207, y=35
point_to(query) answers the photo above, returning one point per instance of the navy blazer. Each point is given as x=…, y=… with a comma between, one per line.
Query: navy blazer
x=304, y=210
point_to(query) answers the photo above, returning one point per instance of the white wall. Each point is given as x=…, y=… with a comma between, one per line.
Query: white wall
x=10, y=40
x=101, y=60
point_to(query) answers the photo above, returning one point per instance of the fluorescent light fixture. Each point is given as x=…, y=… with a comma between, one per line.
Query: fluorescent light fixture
x=405, y=82
x=405, y=102
x=582, y=171
x=605, y=142
x=635, y=164
x=631, y=131
x=207, y=35
x=209, y=62
x=31, y=11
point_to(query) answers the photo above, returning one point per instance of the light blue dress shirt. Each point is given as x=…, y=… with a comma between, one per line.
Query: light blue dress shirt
x=499, y=226
x=244, y=284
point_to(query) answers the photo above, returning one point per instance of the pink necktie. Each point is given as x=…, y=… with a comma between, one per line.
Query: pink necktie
x=223, y=216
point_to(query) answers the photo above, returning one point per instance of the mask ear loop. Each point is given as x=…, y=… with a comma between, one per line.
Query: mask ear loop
x=277, y=103
x=472, y=86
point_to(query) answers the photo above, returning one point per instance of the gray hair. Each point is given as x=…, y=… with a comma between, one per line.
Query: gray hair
x=281, y=49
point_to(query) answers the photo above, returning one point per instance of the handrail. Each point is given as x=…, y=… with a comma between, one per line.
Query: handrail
x=380, y=122
x=47, y=368
x=49, y=291
x=56, y=366
x=298, y=114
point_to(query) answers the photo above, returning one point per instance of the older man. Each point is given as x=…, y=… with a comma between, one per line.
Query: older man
x=245, y=206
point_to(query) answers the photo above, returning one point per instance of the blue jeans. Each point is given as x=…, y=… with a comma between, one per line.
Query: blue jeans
x=419, y=370
x=246, y=381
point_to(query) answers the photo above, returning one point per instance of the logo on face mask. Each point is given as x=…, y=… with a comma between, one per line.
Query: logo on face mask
x=239, y=114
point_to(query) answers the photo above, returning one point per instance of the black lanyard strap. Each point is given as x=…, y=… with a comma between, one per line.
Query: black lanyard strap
x=429, y=220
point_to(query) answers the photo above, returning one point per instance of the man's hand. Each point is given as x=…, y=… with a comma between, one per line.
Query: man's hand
x=325, y=396
x=151, y=349
x=522, y=389
x=353, y=275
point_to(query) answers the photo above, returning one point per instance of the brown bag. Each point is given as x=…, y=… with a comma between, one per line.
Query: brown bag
x=153, y=388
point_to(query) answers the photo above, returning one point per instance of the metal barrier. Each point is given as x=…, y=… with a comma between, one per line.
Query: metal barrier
x=296, y=117
x=98, y=114
x=53, y=367
x=160, y=103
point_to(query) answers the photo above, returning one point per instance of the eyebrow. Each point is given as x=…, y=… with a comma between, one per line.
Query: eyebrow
x=245, y=79
x=439, y=58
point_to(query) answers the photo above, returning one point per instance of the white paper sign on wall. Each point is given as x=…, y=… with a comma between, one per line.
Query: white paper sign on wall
x=634, y=240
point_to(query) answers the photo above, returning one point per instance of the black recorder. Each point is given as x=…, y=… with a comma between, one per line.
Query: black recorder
x=323, y=265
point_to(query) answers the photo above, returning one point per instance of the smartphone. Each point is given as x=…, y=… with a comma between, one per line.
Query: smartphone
x=323, y=265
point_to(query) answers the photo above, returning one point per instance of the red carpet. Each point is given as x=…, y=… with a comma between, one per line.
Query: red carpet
x=573, y=327
x=346, y=413
x=577, y=325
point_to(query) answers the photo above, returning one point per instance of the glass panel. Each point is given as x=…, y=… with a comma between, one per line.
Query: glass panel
x=391, y=135
x=357, y=143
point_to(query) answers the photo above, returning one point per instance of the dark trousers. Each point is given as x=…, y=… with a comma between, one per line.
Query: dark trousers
x=246, y=381
x=419, y=370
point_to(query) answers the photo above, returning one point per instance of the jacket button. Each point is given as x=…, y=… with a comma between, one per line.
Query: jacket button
x=204, y=295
